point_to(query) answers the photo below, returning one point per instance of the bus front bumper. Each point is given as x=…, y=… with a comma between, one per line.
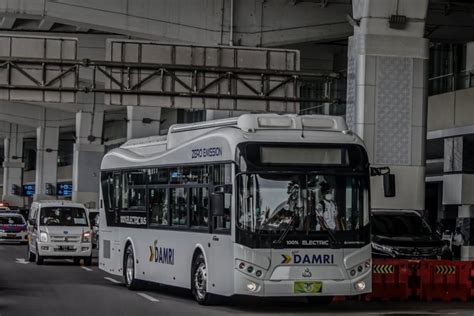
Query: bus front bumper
x=247, y=285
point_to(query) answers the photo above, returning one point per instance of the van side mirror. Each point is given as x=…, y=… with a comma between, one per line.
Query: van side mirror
x=389, y=185
x=32, y=222
x=217, y=204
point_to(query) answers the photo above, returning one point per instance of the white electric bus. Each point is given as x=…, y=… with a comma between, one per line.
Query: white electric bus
x=262, y=204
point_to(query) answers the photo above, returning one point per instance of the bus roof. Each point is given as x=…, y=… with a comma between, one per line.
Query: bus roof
x=217, y=140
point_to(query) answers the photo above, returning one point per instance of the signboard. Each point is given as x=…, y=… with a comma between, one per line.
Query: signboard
x=29, y=189
x=65, y=189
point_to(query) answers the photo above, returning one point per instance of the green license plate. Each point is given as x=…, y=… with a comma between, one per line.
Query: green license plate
x=307, y=287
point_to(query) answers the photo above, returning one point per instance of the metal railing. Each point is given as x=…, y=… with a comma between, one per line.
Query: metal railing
x=451, y=82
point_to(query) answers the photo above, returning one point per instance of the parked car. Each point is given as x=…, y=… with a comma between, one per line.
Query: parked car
x=59, y=229
x=13, y=227
x=405, y=234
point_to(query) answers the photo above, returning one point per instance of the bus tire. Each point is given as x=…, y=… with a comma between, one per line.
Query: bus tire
x=319, y=300
x=129, y=270
x=31, y=257
x=199, y=282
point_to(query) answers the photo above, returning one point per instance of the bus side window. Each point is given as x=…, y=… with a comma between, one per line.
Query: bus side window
x=158, y=206
x=199, y=206
x=107, y=190
x=179, y=206
x=223, y=183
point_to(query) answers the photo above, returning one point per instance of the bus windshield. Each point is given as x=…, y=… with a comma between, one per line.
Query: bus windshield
x=270, y=202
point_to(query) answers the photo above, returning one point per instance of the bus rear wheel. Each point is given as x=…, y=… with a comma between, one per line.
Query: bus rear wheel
x=199, y=282
x=129, y=270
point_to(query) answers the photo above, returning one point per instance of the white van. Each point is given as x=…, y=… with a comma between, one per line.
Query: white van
x=59, y=229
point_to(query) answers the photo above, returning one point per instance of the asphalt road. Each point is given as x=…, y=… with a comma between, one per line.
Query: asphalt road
x=62, y=288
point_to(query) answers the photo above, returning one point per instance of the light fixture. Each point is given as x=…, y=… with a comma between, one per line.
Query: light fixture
x=360, y=286
x=252, y=287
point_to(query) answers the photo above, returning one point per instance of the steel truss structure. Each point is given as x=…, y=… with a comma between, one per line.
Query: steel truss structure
x=125, y=78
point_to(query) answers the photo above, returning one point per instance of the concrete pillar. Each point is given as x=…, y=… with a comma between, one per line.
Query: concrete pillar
x=143, y=121
x=470, y=57
x=458, y=182
x=13, y=166
x=88, y=153
x=387, y=95
x=465, y=223
x=47, y=139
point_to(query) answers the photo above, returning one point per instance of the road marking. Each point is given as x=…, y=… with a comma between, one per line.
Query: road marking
x=112, y=280
x=148, y=297
x=87, y=269
x=21, y=261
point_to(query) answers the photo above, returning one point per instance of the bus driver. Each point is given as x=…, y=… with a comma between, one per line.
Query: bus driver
x=326, y=211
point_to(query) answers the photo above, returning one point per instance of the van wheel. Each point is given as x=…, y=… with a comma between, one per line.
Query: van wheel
x=129, y=270
x=319, y=300
x=31, y=257
x=39, y=259
x=199, y=282
x=88, y=261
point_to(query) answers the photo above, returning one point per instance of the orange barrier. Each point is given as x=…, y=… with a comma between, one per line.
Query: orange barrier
x=392, y=279
x=445, y=280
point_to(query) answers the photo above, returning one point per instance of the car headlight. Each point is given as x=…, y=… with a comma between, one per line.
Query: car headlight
x=43, y=236
x=86, y=237
x=384, y=249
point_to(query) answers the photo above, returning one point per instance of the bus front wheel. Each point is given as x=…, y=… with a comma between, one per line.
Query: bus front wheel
x=199, y=282
x=129, y=270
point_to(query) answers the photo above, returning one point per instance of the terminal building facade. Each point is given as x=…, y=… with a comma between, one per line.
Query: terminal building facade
x=402, y=76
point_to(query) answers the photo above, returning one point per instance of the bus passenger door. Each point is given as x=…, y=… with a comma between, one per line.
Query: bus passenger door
x=220, y=272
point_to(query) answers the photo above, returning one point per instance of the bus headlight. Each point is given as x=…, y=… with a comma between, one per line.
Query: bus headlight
x=43, y=236
x=250, y=269
x=360, y=268
x=251, y=286
x=360, y=286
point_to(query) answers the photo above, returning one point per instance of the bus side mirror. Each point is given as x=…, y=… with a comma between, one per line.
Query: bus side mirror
x=389, y=185
x=217, y=204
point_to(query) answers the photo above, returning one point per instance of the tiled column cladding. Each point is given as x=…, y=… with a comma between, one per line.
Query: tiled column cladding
x=386, y=97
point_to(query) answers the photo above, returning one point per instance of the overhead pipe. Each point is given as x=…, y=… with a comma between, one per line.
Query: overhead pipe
x=231, y=24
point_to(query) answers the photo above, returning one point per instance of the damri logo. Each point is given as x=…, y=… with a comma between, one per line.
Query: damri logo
x=307, y=259
x=161, y=255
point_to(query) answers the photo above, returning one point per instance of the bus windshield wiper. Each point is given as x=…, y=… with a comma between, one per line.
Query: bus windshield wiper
x=286, y=231
x=331, y=235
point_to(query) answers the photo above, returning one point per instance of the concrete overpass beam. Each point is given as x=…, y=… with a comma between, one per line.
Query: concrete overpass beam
x=47, y=140
x=13, y=165
x=387, y=95
x=143, y=121
x=88, y=153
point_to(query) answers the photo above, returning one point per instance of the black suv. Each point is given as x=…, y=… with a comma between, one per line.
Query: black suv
x=404, y=234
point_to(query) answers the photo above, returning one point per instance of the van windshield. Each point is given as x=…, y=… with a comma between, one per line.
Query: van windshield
x=63, y=216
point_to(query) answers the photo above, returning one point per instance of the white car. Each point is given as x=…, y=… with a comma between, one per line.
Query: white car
x=13, y=228
x=59, y=229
